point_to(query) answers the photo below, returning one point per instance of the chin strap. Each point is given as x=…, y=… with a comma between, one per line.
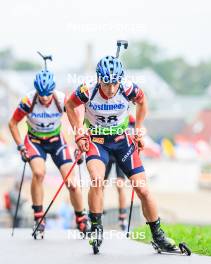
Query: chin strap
x=55, y=98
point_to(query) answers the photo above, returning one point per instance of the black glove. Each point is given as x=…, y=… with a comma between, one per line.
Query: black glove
x=81, y=160
x=23, y=152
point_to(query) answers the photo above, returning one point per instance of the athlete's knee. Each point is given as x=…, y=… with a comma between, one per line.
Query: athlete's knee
x=96, y=191
x=142, y=192
x=39, y=175
x=120, y=185
x=97, y=182
x=73, y=188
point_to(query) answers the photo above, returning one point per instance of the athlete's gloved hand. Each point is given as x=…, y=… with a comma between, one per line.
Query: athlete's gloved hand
x=139, y=141
x=82, y=142
x=81, y=160
x=23, y=152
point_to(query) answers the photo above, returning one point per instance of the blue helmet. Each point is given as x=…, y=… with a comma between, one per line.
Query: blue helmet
x=44, y=83
x=110, y=70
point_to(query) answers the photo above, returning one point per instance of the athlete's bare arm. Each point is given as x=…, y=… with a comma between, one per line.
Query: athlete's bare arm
x=76, y=117
x=75, y=114
x=141, y=111
x=13, y=126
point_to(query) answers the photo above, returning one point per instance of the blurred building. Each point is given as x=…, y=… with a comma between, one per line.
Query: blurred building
x=208, y=90
x=199, y=129
x=89, y=64
x=4, y=101
x=164, y=126
x=152, y=84
x=10, y=90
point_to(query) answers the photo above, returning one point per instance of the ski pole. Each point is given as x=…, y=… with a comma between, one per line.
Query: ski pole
x=18, y=201
x=130, y=214
x=80, y=178
x=56, y=194
x=131, y=208
x=79, y=166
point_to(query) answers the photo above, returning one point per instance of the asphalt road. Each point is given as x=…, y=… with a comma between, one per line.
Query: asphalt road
x=59, y=247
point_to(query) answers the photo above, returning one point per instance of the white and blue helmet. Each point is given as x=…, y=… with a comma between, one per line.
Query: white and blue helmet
x=44, y=83
x=110, y=70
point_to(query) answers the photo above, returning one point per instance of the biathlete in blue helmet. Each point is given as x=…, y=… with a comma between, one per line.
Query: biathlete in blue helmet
x=106, y=115
x=43, y=107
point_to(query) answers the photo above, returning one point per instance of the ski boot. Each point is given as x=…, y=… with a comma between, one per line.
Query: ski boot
x=96, y=237
x=162, y=243
x=82, y=224
x=123, y=219
x=39, y=234
x=123, y=224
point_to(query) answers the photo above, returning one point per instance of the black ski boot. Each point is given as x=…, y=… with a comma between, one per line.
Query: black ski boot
x=96, y=237
x=160, y=239
x=123, y=219
x=161, y=243
x=96, y=232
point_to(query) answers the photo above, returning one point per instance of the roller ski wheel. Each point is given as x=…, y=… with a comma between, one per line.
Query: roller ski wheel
x=95, y=246
x=181, y=250
x=184, y=249
x=39, y=234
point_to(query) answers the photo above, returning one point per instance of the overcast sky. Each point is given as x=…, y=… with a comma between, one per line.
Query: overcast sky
x=64, y=27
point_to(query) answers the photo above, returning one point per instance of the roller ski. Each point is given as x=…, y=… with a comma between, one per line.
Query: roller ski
x=182, y=249
x=39, y=234
x=96, y=237
x=163, y=244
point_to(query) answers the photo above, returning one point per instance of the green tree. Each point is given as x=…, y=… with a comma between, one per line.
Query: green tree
x=24, y=65
x=183, y=77
x=8, y=61
x=141, y=55
x=6, y=58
